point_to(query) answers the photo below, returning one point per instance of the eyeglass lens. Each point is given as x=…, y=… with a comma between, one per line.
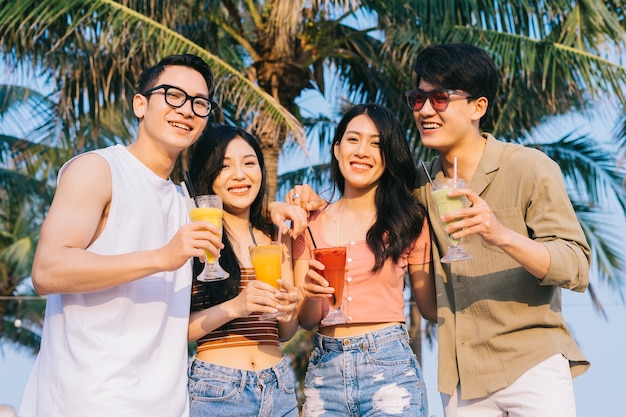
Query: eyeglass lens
x=439, y=99
x=176, y=97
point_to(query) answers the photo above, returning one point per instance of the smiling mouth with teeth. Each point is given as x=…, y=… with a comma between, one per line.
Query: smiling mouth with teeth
x=180, y=126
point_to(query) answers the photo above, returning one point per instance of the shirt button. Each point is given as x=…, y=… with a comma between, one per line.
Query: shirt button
x=349, y=318
x=352, y=242
x=349, y=259
x=349, y=279
x=349, y=298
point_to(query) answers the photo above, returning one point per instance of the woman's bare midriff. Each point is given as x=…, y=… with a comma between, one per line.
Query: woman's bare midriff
x=249, y=358
x=348, y=330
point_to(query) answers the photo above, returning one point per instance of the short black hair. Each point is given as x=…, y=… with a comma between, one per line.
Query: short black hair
x=149, y=76
x=458, y=66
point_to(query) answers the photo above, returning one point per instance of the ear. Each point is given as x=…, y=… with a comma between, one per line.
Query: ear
x=140, y=103
x=480, y=108
x=335, y=149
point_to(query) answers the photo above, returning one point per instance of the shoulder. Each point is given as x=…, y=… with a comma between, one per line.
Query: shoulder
x=529, y=159
x=88, y=164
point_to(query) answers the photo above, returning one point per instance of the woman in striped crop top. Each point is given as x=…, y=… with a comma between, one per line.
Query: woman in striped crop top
x=239, y=368
x=365, y=365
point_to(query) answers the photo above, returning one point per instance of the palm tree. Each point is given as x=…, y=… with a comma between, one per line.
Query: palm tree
x=551, y=55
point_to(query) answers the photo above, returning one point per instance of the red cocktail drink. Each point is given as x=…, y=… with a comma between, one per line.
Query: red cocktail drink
x=334, y=260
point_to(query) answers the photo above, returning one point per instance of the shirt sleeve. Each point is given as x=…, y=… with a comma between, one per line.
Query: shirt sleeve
x=551, y=219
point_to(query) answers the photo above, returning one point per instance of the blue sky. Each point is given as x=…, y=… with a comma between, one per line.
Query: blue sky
x=599, y=392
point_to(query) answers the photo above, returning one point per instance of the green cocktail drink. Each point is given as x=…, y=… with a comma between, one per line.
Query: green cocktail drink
x=444, y=205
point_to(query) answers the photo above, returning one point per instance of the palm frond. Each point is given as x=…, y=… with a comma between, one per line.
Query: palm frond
x=52, y=33
x=590, y=170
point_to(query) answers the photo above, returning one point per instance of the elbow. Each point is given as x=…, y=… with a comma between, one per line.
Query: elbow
x=43, y=282
x=430, y=316
x=306, y=325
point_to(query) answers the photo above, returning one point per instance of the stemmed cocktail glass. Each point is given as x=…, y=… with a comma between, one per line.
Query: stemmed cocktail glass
x=446, y=204
x=267, y=261
x=209, y=208
x=334, y=260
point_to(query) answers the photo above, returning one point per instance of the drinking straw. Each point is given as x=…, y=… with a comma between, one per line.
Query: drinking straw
x=192, y=192
x=312, y=240
x=252, y=235
x=428, y=175
x=191, y=203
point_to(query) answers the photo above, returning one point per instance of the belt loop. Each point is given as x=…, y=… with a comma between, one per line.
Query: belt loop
x=278, y=373
x=243, y=382
x=371, y=341
x=320, y=341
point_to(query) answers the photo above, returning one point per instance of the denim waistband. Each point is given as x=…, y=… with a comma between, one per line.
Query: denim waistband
x=200, y=368
x=368, y=341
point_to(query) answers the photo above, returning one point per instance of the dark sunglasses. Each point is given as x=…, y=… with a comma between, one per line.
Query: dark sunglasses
x=439, y=99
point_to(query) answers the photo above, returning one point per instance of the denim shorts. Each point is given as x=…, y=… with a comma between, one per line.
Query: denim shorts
x=216, y=390
x=375, y=374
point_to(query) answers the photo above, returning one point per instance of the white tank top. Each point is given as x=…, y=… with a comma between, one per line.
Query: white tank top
x=120, y=351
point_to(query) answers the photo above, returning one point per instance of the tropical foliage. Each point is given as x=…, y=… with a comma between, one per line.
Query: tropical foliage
x=555, y=57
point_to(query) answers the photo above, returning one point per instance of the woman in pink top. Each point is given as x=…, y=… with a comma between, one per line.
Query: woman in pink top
x=365, y=366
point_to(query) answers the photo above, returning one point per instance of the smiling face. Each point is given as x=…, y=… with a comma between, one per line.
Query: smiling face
x=174, y=129
x=240, y=178
x=450, y=128
x=358, y=154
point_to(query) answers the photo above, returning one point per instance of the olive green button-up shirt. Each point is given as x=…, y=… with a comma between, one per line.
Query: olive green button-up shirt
x=496, y=320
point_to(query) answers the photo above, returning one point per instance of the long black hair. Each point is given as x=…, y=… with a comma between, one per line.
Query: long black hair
x=206, y=164
x=399, y=217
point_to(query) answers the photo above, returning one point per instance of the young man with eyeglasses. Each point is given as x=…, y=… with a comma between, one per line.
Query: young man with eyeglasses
x=504, y=346
x=113, y=260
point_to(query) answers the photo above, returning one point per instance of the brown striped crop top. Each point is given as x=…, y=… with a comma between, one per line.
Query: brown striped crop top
x=244, y=331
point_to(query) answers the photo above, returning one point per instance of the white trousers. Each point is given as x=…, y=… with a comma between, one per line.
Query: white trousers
x=545, y=390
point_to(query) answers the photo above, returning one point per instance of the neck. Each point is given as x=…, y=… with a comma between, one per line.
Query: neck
x=159, y=162
x=468, y=157
x=237, y=223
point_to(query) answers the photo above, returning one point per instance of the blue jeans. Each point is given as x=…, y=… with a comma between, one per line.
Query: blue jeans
x=216, y=390
x=375, y=374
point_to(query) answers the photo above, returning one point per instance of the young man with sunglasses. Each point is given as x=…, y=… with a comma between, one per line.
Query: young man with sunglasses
x=114, y=261
x=504, y=346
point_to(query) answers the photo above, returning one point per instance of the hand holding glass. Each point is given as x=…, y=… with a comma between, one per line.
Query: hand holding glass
x=267, y=261
x=209, y=208
x=334, y=260
x=445, y=205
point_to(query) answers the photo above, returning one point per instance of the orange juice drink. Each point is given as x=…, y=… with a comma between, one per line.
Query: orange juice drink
x=213, y=216
x=266, y=260
x=334, y=260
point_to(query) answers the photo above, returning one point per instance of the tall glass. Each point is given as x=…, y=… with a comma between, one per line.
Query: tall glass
x=209, y=208
x=266, y=260
x=445, y=205
x=334, y=260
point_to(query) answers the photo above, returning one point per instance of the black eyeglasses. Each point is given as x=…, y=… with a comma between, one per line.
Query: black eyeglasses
x=439, y=99
x=175, y=97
